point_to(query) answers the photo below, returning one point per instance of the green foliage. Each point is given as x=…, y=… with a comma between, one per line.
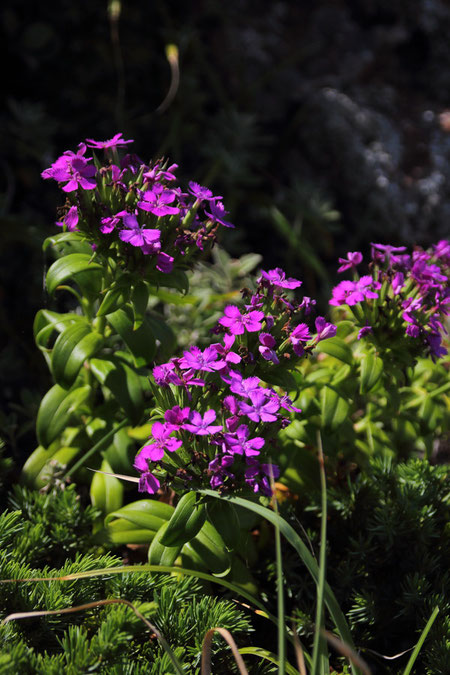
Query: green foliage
x=387, y=560
x=109, y=639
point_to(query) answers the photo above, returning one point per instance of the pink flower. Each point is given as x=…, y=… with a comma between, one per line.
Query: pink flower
x=237, y=323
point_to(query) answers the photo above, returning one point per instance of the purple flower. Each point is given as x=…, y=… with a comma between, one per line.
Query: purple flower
x=277, y=277
x=176, y=416
x=324, y=330
x=225, y=349
x=231, y=404
x=157, y=201
x=201, y=426
x=201, y=193
x=155, y=173
x=165, y=374
x=266, y=349
x=237, y=323
x=115, y=142
x=149, y=483
x=205, y=360
x=240, y=386
x=164, y=261
x=218, y=214
x=110, y=222
x=240, y=444
x=353, y=259
x=397, y=282
x=162, y=441
x=286, y=403
x=365, y=330
x=262, y=408
x=73, y=168
x=142, y=238
x=299, y=334
x=70, y=220
x=307, y=304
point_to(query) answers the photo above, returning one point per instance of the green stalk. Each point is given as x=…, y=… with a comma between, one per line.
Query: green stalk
x=320, y=647
x=280, y=591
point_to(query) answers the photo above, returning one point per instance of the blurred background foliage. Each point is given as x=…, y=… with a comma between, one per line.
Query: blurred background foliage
x=323, y=124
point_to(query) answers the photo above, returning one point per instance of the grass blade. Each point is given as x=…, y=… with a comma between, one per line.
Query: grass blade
x=420, y=642
x=280, y=589
x=292, y=537
x=268, y=656
x=320, y=652
x=206, y=650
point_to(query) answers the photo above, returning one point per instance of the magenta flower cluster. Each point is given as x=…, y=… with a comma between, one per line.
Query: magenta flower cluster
x=221, y=418
x=406, y=295
x=132, y=208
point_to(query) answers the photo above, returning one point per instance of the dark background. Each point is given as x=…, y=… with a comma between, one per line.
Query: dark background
x=323, y=124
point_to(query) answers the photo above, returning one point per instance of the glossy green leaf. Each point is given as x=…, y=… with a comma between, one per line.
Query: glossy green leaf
x=209, y=545
x=106, y=491
x=122, y=381
x=371, y=372
x=337, y=348
x=140, y=342
x=122, y=532
x=57, y=409
x=113, y=300
x=186, y=521
x=72, y=238
x=334, y=408
x=35, y=462
x=62, y=456
x=73, y=346
x=224, y=518
x=176, y=279
x=164, y=335
x=278, y=376
x=47, y=321
x=68, y=267
x=144, y=514
x=139, y=302
x=158, y=554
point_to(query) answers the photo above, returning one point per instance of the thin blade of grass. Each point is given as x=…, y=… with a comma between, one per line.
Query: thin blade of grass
x=299, y=653
x=101, y=603
x=268, y=656
x=345, y=650
x=292, y=537
x=280, y=589
x=420, y=642
x=320, y=651
x=206, y=650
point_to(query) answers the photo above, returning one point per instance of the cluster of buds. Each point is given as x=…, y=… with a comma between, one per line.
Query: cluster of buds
x=220, y=417
x=133, y=211
x=405, y=299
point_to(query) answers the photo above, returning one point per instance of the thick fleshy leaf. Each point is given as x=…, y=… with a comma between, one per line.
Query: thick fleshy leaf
x=334, y=408
x=73, y=346
x=163, y=333
x=106, y=491
x=121, y=531
x=35, y=462
x=140, y=342
x=58, y=408
x=70, y=267
x=224, y=518
x=158, y=554
x=144, y=514
x=175, y=279
x=278, y=376
x=371, y=372
x=185, y=522
x=139, y=303
x=209, y=545
x=64, y=456
x=337, y=348
x=123, y=382
x=67, y=240
x=113, y=300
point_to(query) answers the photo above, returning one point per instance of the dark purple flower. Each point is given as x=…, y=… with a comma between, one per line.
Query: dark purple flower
x=201, y=426
x=299, y=335
x=218, y=214
x=157, y=201
x=155, y=173
x=109, y=223
x=397, y=282
x=237, y=323
x=115, y=142
x=353, y=259
x=166, y=374
x=307, y=304
x=240, y=386
x=164, y=261
x=266, y=349
x=176, y=416
x=148, y=483
x=262, y=407
x=365, y=330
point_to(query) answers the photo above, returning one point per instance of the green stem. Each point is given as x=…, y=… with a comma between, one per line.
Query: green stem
x=280, y=591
